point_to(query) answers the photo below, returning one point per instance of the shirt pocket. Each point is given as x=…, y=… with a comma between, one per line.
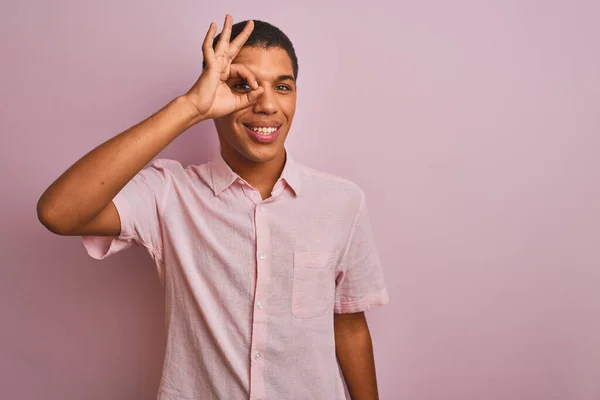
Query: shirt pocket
x=313, y=292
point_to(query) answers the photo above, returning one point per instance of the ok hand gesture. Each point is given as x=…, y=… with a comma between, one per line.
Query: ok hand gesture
x=210, y=95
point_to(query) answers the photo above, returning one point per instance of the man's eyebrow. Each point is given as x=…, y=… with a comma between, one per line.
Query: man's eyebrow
x=286, y=78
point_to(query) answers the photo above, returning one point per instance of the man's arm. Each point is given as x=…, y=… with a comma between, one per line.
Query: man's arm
x=354, y=351
x=79, y=202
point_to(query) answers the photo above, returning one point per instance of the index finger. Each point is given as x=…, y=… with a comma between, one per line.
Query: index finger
x=241, y=71
x=237, y=43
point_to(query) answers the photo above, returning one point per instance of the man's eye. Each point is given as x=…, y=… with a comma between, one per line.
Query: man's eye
x=242, y=86
x=283, y=87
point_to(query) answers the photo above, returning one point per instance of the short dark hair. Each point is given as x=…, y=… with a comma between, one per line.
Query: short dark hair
x=264, y=35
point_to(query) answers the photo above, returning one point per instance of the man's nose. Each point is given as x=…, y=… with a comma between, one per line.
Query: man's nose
x=266, y=103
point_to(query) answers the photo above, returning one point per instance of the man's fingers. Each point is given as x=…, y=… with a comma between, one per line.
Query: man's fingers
x=207, y=49
x=253, y=95
x=238, y=42
x=223, y=42
x=248, y=99
x=241, y=71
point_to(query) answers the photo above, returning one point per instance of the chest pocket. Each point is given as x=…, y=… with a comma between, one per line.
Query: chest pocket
x=313, y=292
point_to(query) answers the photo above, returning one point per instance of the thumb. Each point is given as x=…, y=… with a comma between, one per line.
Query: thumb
x=248, y=99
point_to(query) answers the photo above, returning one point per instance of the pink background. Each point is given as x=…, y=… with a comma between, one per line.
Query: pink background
x=474, y=128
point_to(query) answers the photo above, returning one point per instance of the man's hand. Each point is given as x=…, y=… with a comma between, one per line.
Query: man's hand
x=210, y=96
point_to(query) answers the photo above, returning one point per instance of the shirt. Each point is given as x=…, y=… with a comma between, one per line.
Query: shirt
x=250, y=285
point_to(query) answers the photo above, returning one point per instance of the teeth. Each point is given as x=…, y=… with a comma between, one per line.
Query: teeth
x=264, y=131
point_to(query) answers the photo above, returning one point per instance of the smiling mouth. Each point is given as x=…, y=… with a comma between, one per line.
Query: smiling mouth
x=263, y=130
x=263, y=134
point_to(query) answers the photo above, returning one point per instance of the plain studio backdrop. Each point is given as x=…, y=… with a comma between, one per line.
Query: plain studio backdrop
x=473, y=127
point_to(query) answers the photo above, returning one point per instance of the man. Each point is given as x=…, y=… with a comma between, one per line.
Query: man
x=267, y=265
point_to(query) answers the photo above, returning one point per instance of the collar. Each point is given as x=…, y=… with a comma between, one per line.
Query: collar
x=223, y=176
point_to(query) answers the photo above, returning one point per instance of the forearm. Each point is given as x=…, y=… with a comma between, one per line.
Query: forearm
x=92, y=182
x=354, y=350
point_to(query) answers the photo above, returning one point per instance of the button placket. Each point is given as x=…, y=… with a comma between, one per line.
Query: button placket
x=259, y=318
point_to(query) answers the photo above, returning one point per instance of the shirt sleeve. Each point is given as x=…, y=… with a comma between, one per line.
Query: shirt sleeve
x=140, y=206
x=360, y=283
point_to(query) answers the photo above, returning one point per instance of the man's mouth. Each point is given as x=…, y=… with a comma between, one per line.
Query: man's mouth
x=264, y=133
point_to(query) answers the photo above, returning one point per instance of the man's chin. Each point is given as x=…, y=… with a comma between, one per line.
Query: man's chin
x=263, y=153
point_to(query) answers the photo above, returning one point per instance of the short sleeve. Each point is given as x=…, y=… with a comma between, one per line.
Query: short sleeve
x=140, y=206
x=360, y=283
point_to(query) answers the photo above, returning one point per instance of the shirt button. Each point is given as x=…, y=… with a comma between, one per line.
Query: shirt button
x=262, y=256
x=257, y=356
x=259, y=305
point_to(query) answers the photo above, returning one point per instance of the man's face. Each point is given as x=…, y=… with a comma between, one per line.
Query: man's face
x=258, y=133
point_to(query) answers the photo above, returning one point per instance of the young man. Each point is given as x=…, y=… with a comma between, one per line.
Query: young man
x=267, y=265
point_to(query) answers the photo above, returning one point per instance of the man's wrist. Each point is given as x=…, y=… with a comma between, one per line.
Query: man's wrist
x=188, y=110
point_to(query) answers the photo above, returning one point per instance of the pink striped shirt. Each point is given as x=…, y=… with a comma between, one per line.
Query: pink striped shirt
x=251, y=285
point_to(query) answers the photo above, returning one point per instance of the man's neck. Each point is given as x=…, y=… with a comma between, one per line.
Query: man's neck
x=261, y=176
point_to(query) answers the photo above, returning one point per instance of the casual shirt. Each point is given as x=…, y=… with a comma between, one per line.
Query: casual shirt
x=250, y=285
